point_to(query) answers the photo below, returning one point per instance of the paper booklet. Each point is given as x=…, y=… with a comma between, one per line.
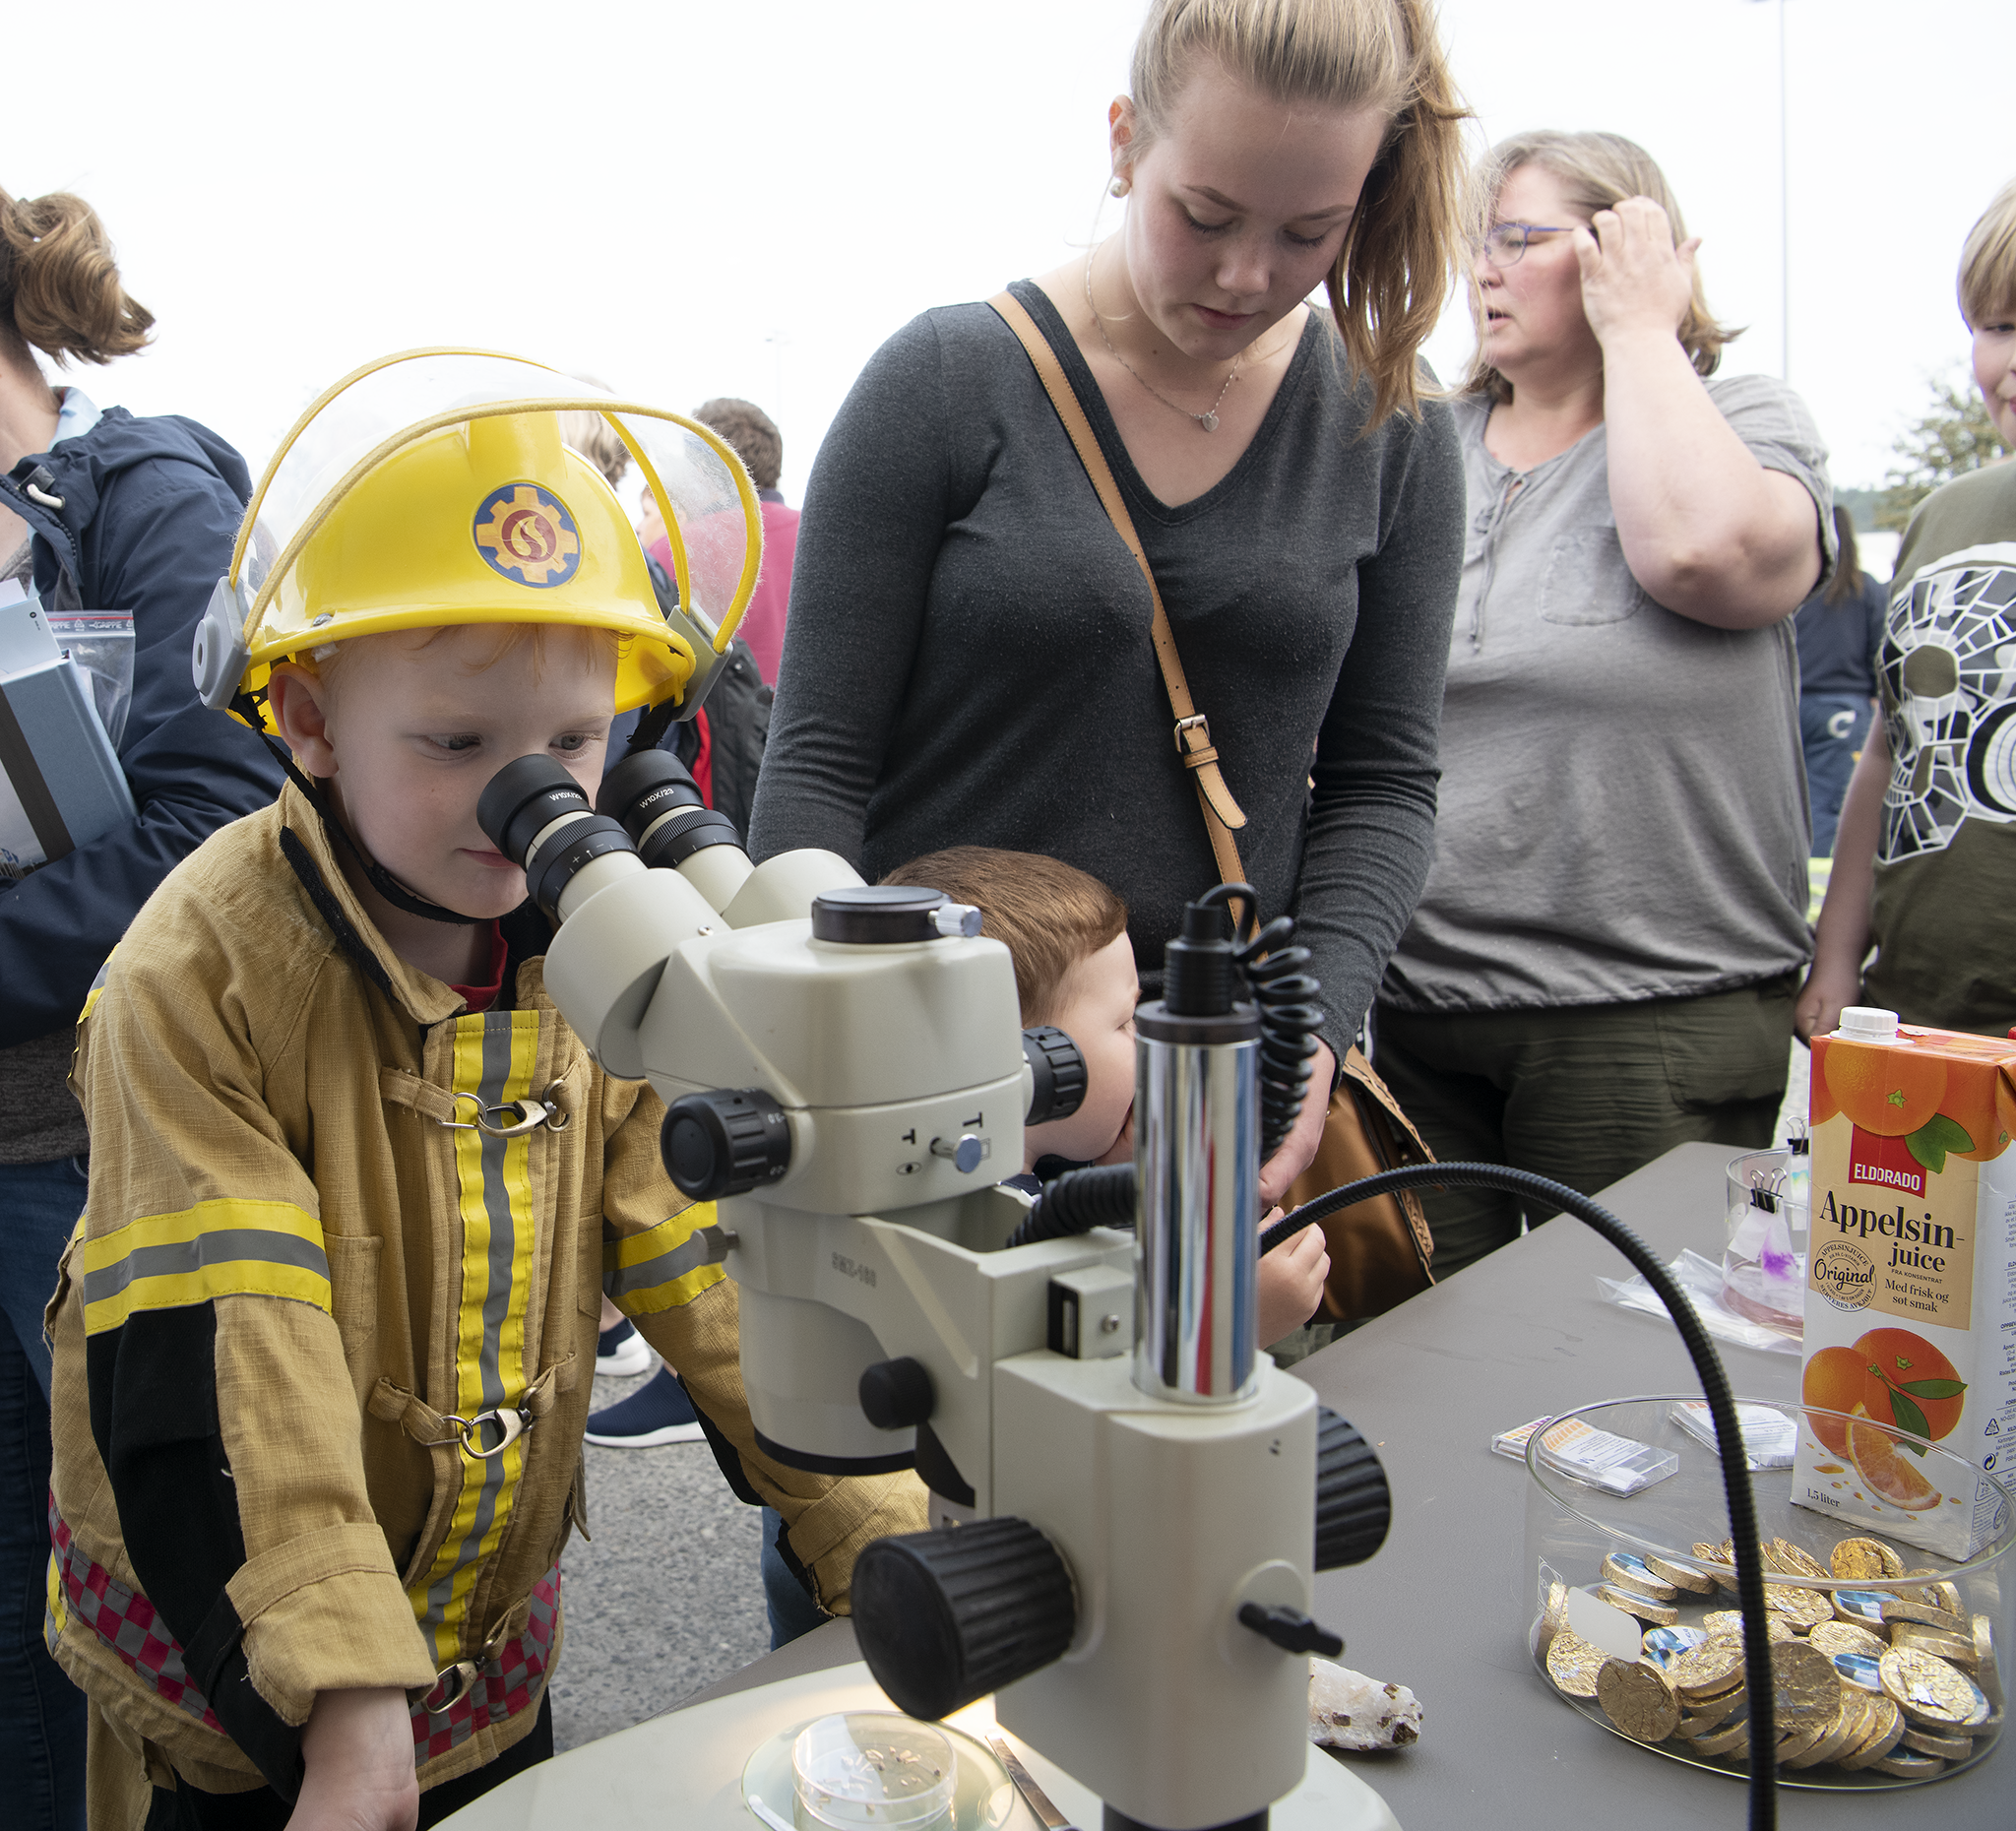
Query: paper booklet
x=62, y=681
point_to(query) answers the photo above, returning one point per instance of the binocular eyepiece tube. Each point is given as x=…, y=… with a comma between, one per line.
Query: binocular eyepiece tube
x=538, y=816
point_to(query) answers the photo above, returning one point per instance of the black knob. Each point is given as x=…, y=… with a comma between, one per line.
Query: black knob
x=876, y=915
x=897, y=1394
x=1059, y=1070
x=946, y=1616
x=724, y=1143
x=1354, y=1505
x=1290, y=1630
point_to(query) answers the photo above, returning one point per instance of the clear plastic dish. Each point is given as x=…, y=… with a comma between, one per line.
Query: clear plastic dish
x=1572, y=1531
x=979, y=1795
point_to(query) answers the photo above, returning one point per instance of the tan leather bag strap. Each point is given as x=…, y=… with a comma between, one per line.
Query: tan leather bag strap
x=1222, y=815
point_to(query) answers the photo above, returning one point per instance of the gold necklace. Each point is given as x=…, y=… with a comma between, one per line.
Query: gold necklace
x=1208, y=419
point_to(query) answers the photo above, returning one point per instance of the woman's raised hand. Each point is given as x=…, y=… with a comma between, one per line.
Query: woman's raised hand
x=1298, y=1148
x=1634, y=281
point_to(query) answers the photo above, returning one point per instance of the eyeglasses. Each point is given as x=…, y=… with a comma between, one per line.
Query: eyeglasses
x=1505, y=242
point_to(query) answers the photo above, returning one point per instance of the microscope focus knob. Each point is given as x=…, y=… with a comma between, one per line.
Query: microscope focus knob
x=897, y=1395
x=724, y=1143
x=1354, y=1505
x=946, y=1616
x=1059, y=1070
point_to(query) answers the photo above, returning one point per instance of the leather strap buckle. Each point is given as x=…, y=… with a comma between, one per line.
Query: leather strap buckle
x=1196, y=722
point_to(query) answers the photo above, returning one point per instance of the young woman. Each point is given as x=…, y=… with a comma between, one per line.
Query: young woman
x=99, y=511
x=969, y=658
x=1603, y=961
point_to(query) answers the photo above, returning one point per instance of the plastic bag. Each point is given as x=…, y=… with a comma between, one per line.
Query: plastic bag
x=1701, y=1280
x=99, y=644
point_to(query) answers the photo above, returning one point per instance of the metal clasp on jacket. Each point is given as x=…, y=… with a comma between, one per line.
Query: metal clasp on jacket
x=511, y=1423
x=530, y=1114
x=460, y=1680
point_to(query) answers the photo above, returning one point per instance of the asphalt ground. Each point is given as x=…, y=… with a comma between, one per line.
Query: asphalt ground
x=666, y=1599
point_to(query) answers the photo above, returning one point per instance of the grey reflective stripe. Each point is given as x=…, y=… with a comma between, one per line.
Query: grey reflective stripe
x=221, y=1246
x=689, y=1255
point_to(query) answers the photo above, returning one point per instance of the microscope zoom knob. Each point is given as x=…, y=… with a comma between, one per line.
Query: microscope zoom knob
x=946, y=1616
x=897, y=1395
x=1354, y=1505
x=724, y=1143
x=1059, y=1069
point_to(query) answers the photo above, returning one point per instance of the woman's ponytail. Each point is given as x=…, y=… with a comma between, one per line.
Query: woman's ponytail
x=59, y=283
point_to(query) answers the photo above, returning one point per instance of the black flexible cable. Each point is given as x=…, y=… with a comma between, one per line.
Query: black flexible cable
x=1289, y=1018
x=1098, y=1195
x=1714, y=1387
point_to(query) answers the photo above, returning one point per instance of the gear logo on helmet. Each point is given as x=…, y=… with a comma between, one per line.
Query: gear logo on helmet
x=527, y=534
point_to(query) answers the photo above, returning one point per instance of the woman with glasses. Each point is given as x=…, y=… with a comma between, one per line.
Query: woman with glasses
x=1603, y=962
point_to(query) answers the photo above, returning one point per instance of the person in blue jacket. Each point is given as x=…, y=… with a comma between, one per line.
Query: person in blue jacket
x=99, y=511
x=1838, y=630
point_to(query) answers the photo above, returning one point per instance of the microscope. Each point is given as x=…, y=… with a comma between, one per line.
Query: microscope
x=1128, y=1500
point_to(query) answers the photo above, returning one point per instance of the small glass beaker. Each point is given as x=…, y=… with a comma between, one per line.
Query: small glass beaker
x=1764, y=1252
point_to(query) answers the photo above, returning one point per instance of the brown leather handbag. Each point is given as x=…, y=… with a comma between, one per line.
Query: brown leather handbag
x=1380, y=1251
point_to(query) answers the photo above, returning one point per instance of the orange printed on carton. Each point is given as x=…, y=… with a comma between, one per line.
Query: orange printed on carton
x=1911, y=1304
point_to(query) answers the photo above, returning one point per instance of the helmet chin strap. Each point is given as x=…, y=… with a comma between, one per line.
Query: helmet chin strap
x=379, y=878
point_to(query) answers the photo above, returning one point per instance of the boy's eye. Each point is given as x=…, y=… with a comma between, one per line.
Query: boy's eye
x=457, y=741
x=573, y=741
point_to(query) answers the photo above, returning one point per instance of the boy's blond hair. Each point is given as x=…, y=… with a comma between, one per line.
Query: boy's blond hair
x=326, y=662
x=1987, y=260
x=1048, y=915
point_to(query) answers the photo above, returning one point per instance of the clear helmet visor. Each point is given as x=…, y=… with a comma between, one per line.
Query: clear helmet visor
x=364, y=422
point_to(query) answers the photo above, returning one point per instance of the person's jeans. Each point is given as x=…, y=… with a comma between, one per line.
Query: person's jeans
x=792, y=1611
x=1833, y=728
x=41, y=1712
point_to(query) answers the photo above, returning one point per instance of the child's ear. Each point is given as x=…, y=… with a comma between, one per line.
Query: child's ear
x=300, y=702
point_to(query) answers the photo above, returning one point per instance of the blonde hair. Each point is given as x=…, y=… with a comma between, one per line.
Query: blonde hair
x=1391, y=271
x=1048, y=915
x=591, y=435
x=1596, y=171
x=59, y=284
x=326, y=662
x=1987, y=260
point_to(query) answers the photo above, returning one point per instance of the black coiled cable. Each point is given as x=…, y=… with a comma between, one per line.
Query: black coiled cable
x=1098, y=1195
x=1707, y=1369
x=1290, y=1016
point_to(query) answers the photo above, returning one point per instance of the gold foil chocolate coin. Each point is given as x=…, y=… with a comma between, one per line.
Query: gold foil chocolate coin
x=1681, y=1576
x=1898, y=1609
x=1704, y=1715
x=1908, y=1766
x=1653, y=1614
x=1946, y=1747
x=1837, y=1636
x=1638, y=1700
x=1865, y=1557
x=1986, y=1673
x=1806, y=1691
x=1844, y=1731
x=1724, y=1743
x=1730, y=1621
x=1954, y=1649
x=1632, y=1573
x=1930, y=1691
x=1709, y=1670
x=1884, y=1734
x=1795, y=1562
x=1574, y=1663
x=1803, y=1608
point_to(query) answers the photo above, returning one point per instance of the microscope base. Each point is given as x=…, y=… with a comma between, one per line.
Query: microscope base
x=685, y=1768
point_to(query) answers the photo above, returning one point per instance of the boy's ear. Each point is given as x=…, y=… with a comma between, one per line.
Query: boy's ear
x=299, y=703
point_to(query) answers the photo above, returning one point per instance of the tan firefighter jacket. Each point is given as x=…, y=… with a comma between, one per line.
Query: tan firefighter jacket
x=325, y=1347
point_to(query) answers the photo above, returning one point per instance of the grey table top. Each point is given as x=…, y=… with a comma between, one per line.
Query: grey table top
x=1519, y=1334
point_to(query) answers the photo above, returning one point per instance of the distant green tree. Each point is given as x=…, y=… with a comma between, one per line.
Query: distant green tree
x=1955, y=437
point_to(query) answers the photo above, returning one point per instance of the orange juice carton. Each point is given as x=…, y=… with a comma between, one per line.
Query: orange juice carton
x=1911, y=1278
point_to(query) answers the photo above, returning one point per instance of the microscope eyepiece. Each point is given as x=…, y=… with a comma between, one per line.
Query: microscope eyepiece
x=1058, y=1066
x=538, y=815
x=658, y=804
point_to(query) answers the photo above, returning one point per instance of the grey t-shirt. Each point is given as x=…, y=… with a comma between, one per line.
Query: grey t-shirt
x=967, y=659
x=1623, y=812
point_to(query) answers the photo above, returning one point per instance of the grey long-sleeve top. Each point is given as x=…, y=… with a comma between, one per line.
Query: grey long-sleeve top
x=967, y=657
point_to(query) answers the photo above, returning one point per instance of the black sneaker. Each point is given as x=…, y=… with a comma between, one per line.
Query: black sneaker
x=622, y=1350
x=658, y=1412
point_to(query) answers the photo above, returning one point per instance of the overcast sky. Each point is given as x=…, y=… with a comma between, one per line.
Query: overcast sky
x=693, y=200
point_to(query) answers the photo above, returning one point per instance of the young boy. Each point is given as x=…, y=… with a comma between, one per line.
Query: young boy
x=1074, y=967
x=1924, y=863
x=325, y=1338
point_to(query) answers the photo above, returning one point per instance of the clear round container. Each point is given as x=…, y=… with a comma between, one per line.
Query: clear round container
x=1764, y=1251
x=873, y=1771
x=1580, y=1539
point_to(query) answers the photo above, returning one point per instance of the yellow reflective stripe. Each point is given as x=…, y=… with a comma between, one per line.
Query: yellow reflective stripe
x=58, y=1615
x=494, y=1056
x=97, y=987
x=225, y=1247
x=662, y=1268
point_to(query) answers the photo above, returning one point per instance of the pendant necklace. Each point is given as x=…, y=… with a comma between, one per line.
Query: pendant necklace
x=1207, y=420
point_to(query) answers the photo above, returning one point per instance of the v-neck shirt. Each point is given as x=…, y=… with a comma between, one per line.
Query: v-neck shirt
x=969, y=658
